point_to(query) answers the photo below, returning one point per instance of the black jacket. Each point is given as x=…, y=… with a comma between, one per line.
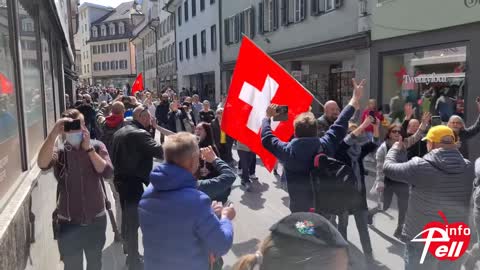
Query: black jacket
x=171, y=122
x=161, y=113
x=216, y=134
x=206, y=116
x=133, y=149
x=218, y=188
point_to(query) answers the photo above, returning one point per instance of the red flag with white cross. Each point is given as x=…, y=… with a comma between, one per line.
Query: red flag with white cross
x=257, y=82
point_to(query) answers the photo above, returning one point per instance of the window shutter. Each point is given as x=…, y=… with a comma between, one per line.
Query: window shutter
x=227, y=32
x=275, y=14
x=260, y=18
x=242, y=23
x=338, y=3
x=237, y=28
x=252, y=22
x=321, y=6
x=303, y=9
x=284, y=9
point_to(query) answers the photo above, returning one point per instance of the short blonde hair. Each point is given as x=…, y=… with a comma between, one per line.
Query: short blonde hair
x=179, y=147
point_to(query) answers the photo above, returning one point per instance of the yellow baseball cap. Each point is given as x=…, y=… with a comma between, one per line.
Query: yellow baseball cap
x=437, y=133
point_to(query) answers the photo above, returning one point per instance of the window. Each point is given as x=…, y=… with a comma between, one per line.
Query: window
x=428, y=78
x=319, y=7
x=202, y=5
x=232, y=33
x=194, y=44
x=268, y=15
x=121, y=28
x=180, y=51
x=33, y=99
x=213, y=37
x=88, y=68
x=194, y=8
x=212, y=2
x=112, y=29
x=187, y=48
x=27, y=25
x=293, y=11
x=123, y=64
x=112, y=47
x=48, y=79
x=103, y=30
x=94, y=32
x=122, y=47
x=185, y=7
x=172, y=51
x=179, y=15
x=172, y=22
x=204, y=41
x=247, y=22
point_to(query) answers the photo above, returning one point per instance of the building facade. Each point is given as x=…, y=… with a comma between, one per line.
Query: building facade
x=421, y=59
x=112, y=53
x=322, y=43
x=37, y=56
x=197, y=38
x=88, y=13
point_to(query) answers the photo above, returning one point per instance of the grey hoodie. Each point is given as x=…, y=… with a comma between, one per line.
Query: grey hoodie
x=440, y=181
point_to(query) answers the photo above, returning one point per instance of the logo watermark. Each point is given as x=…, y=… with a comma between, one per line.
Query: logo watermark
x=443, y=240
x=471, y=3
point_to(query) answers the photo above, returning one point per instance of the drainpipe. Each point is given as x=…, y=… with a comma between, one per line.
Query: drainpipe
x=220, y=45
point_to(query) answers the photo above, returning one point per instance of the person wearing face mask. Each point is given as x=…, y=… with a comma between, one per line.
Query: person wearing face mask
x=133, y=150
x=464, y=134
x=79, y=165
x=180, y=226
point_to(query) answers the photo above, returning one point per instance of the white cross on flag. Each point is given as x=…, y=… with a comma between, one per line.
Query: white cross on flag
x=257, y=82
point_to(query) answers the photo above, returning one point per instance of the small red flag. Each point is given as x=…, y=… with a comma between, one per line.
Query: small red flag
x=6, y=86
x=138, y=84
x=257, y=82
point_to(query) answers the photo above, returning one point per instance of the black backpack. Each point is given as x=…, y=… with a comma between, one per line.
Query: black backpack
x=335, y=187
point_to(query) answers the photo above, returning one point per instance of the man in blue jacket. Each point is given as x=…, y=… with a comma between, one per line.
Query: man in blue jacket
x=180, y=228
x=299, y=153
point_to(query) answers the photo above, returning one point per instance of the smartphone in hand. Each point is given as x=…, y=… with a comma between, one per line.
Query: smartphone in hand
x=436, y=120
x=282, y=113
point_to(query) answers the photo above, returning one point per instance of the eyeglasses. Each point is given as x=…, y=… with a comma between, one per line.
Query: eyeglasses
x=395, y=131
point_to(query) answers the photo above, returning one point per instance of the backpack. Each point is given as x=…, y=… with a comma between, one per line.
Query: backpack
x=335, y=187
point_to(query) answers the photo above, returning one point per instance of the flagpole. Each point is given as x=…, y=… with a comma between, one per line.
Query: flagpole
x=280, y=66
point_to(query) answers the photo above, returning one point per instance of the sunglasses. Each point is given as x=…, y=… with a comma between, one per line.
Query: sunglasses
x=395, y=131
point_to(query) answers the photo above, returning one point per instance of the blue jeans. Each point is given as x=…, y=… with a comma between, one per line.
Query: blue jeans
x=413, y=254
x=74, y=240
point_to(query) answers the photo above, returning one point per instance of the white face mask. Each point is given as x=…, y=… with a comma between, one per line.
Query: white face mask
x=74, y=138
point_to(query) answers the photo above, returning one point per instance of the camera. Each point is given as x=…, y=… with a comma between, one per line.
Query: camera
x=74, y=125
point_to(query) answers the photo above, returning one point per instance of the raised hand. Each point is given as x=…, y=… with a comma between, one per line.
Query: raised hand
x=426, y=118
x=272, y=110
x=357, y=93
x=409, y=111
x=208, y=154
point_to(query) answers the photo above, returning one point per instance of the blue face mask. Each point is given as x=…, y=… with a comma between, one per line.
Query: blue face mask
x=75, y=138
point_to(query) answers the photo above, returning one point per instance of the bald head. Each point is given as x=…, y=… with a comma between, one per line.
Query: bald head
x=142, y=116
x=118, y=108
x=413, y=126
x=331, y=110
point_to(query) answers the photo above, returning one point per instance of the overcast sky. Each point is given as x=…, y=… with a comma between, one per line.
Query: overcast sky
x=108, y=3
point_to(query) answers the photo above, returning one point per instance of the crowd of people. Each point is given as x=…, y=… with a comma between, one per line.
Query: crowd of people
x=182, y=205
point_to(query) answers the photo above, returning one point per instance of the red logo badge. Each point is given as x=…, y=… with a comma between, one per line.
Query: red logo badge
x=444, y=241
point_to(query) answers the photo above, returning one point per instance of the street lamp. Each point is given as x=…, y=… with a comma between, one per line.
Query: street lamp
x=153, y=24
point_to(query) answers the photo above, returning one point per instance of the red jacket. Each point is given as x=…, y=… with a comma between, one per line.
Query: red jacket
x=366, y=113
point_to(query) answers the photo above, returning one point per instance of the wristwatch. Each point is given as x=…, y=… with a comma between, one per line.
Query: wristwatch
x=91, y=149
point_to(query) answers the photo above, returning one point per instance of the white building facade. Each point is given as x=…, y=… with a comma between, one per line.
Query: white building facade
x=88, y=13
x=197, y=46
x=322, y=43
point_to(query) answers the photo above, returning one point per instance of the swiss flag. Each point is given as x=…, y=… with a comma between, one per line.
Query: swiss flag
x=138, y=84
x=257, y=82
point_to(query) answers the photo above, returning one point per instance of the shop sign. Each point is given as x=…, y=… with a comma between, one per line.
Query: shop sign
x=425, y=78
x=471, y=3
